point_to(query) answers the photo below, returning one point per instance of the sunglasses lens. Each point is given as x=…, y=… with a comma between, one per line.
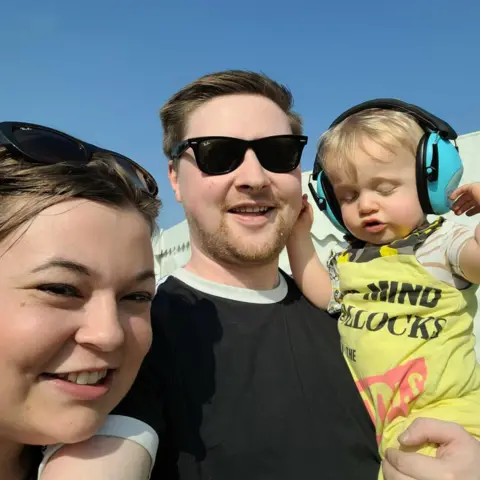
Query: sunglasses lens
x=217, y=156
x=279, y=154
x=48, y=147
x=138, y=176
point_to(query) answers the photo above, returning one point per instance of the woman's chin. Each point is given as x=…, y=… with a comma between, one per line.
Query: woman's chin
x=76, y=430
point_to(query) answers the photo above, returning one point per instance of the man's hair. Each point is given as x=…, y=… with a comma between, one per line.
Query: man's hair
x=26, y=188
x=388, y=128
x=174, y=114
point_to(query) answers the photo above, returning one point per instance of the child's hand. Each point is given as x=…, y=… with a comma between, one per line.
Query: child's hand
x=305, y=218
x=467, y=199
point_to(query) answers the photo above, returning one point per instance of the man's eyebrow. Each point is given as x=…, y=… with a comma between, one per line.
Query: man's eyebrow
x=84, y=270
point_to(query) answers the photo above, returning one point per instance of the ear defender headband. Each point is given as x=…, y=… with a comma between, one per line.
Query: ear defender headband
x=439, y=167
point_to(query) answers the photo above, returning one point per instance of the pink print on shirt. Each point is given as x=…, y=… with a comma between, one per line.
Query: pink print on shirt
x=389, y=396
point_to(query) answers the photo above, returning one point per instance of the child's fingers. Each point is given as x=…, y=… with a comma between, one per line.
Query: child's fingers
x=462, y=201
x=464, y=208
x=473, y=211
x=305, y=201
x=459, y=191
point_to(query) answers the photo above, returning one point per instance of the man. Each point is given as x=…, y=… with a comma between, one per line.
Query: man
x=245, y=378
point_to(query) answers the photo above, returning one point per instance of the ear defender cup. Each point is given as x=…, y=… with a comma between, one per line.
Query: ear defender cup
x=439, y=172
x=329, y=205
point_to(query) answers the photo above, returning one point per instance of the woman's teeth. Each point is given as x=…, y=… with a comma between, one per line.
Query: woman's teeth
x=84, y=378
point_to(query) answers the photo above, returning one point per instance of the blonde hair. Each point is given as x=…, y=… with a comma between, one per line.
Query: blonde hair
x=388, y=128
x=174, y=114
x=26, y=188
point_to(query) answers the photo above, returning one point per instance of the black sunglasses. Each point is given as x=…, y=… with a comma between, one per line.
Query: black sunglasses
x=39, y=144
x=221, y=155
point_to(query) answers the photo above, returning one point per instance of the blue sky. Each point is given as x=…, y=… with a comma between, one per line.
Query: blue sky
x=100, y=70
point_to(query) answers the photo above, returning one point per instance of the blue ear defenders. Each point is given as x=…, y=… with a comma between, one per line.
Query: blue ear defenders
x=439, y=167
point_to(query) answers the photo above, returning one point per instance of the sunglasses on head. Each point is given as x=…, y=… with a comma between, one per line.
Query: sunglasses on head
x=44, y=145
x=221, y=155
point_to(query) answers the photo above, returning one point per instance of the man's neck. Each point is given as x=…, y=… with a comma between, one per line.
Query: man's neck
x=254, y=277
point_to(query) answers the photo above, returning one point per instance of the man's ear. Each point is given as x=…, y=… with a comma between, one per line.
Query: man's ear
x=173, y=178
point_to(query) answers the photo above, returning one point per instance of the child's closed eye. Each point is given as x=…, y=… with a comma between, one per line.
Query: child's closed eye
x=347, y=197
x=386, y=189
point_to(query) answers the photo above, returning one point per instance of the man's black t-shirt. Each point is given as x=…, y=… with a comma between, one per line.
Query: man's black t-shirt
x=241, y=384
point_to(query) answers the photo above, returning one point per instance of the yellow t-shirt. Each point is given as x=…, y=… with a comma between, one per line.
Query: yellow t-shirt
x=408, y=338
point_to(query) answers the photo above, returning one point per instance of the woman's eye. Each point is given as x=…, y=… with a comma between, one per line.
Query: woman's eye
x=141, y=297
x=59, y=289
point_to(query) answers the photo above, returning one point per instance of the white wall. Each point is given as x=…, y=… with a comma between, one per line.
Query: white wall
x=171, y=249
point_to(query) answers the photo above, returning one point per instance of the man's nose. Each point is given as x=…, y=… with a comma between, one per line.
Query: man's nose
x=251, y=174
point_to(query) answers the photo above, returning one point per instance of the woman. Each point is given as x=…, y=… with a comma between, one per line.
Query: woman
x=76, y=284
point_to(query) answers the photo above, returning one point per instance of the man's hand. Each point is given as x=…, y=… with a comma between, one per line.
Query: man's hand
x=458, y=455
x=466, y=199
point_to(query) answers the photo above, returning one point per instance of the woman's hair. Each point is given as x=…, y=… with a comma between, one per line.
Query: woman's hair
x=388, y=128
x=26, y=188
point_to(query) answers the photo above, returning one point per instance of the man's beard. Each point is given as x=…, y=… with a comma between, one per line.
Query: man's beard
x=222, y=247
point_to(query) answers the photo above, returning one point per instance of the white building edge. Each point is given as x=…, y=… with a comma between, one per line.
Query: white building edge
x=172, y=246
